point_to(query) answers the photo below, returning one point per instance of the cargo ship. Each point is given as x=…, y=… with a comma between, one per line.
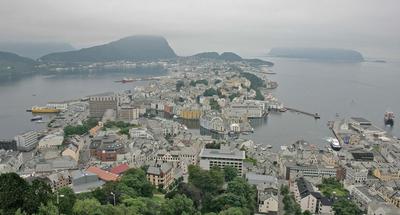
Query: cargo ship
x=37, y=109
x=389, y=118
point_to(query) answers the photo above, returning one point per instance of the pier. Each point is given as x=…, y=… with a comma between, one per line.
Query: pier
x=315, y=115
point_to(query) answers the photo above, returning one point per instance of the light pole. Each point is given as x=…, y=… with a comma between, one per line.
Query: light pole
x=113, y=197
x=58, y=201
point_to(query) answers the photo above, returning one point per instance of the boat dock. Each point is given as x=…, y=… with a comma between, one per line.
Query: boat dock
x=315, y=115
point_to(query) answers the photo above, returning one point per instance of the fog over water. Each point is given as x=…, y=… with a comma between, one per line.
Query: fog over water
x=247, y=27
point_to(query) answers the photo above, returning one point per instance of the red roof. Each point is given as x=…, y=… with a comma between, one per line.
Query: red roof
x=120, y=169
x=102, y=174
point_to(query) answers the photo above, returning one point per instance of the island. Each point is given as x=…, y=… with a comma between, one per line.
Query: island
x=323, y=54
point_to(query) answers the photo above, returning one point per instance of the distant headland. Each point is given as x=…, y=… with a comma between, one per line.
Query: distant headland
x=323, y=54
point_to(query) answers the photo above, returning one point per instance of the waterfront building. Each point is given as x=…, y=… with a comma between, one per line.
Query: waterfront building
x=212, y=121
x=8, y=145
x=225, y=156
x=58, y=105
x=27, y=141
x=98, y=104
x=247, y=109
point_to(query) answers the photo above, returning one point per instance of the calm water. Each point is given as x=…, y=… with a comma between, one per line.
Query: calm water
x=349, y=89
x=18, y=96
x=362, y=89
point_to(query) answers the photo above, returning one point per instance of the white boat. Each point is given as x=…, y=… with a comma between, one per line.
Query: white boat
x=334, y=143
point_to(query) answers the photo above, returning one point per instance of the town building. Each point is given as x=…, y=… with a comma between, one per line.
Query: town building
x=98, y=104
x=381, y=208
x=363, y=196
x=225, y=156
x=356, y=174
x=315, y=173
x=310, y=200
x=51, y=141
x=128, y=113
x=59, y=180
x=27, y=141
x=106, y=148
x=103, y=174
x=160, y=175
x=83, y=181
x=10, y=161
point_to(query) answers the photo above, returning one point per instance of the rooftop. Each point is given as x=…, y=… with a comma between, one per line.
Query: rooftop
x=218, y=153
x=102, y=174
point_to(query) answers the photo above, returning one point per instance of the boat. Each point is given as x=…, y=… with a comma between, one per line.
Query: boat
x=126, y=80
x=283, y=109
x=37, y=109
x=36, y=118
x=389, y=118
x=269, y=146
x=335, y=145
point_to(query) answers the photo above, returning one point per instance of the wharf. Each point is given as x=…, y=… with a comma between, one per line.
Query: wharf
x=315, y=115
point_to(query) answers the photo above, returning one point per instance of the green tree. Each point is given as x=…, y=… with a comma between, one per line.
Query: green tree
x=67, y=200
x=39, y=192
x=210, y=92
x=180, y=204
x=207, y=181
x=225, y=201
x=240, y=187
x=307, y=212
x=230, y=173
x=142, y=205
x=48, y=209
x=12, y=193
x=87, y=207
x=235, y=211
x=344, y=206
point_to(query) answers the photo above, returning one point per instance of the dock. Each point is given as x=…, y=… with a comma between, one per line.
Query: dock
x=315, y=115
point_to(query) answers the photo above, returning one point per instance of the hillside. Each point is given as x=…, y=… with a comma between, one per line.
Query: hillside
x=12, y=64
x=326, y=54
x=132, y=48
x=230, y=56
x=34, y=50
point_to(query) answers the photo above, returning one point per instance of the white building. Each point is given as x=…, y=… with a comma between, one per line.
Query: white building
x=356, y=174
x=27, y=141
x=222, y=157
x=51, y=141
x=10, y=161
x=249, y=109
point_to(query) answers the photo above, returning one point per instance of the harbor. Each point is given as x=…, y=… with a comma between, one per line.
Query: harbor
x=315, y=115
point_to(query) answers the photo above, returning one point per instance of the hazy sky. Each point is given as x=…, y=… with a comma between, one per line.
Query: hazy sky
x=249, y=27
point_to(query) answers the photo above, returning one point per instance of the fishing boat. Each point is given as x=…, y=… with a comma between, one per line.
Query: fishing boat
x=36, y=118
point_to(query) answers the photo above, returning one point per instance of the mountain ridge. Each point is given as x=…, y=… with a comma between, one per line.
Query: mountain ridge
x=136, y=48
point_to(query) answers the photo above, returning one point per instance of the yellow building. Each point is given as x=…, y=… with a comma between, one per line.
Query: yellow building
x=386, y=174
x=190, y=114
